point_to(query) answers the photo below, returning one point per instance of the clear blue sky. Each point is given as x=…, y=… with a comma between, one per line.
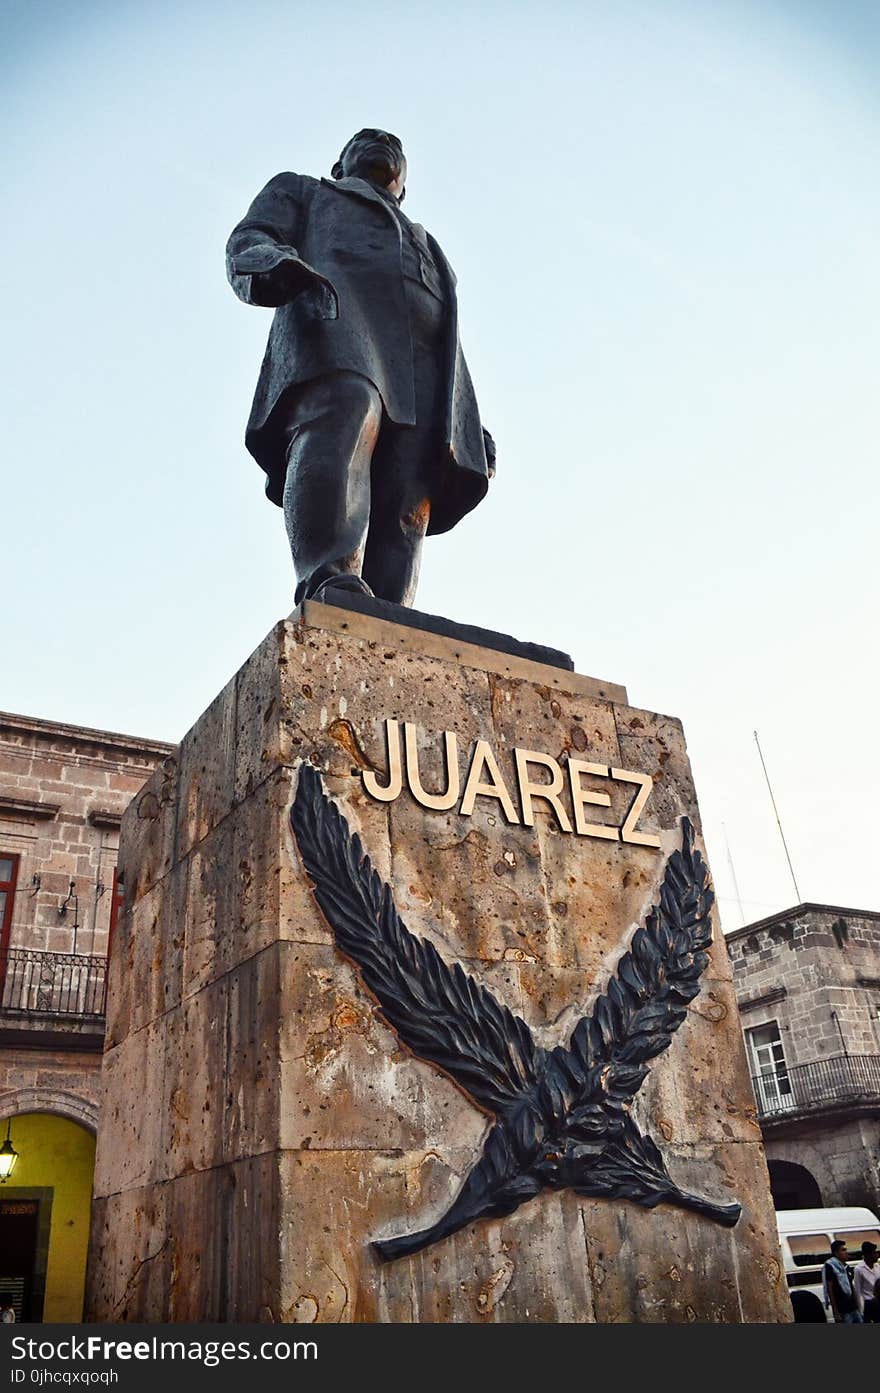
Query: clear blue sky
x=665, y=221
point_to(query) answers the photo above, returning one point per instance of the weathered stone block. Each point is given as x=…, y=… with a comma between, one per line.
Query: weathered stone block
x=132, y=1128
x=663, y=1265
x=148, y=832
x=263, y=1125
x=145, y=977
x=129, y=1281
x=206, y=772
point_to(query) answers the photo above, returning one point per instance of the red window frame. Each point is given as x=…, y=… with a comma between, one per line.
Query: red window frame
x=117, y=904
x=6, y=925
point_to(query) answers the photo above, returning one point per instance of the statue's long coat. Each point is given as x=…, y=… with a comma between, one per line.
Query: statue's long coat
x=344, y=230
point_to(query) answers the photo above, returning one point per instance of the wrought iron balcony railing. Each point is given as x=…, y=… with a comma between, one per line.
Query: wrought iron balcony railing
x=853, y=1078
x=56, y=984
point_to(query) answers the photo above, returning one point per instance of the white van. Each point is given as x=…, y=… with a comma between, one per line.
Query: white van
x=805, y=1237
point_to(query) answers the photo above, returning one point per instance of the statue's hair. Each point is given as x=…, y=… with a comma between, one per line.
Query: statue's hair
x=336, y=171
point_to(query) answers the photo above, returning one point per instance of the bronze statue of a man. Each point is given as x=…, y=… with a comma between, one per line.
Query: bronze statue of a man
x=364, y=418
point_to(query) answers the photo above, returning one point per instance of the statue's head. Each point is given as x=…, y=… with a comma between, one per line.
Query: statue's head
x=376, y=156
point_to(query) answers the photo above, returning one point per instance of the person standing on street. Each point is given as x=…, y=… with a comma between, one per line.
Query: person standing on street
x=864, y=1284
x=837, y=1286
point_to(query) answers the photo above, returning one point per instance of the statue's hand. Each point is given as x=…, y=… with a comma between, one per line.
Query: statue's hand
x=289, y=279
x=489, y=444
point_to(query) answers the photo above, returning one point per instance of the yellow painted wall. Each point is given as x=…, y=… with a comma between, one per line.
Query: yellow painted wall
x=53, y=1151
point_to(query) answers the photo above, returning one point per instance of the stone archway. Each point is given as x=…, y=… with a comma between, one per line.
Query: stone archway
x=44, y=1209
x=793, y=1186
x=55, y=1101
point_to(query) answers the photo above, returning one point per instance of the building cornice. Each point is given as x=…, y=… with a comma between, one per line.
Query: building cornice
x=13, y=724
x=796, y=913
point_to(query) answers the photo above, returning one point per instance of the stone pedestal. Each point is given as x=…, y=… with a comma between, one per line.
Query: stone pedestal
x=260, y=1124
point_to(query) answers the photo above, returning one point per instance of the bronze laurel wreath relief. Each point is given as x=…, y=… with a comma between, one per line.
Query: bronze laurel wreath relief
x=561, y=1116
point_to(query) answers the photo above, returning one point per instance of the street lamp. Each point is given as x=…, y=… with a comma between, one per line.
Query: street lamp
x=8, y=1156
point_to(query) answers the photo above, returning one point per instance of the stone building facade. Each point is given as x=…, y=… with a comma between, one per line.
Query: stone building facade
x=808, y=988
x=63, y=790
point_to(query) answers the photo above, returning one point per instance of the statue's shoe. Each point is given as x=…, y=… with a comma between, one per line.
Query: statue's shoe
x=349, y=584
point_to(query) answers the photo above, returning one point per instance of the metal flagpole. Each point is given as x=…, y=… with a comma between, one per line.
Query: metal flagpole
x=778, y=823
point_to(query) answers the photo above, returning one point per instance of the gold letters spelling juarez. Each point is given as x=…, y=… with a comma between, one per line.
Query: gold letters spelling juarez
x=484, y=778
